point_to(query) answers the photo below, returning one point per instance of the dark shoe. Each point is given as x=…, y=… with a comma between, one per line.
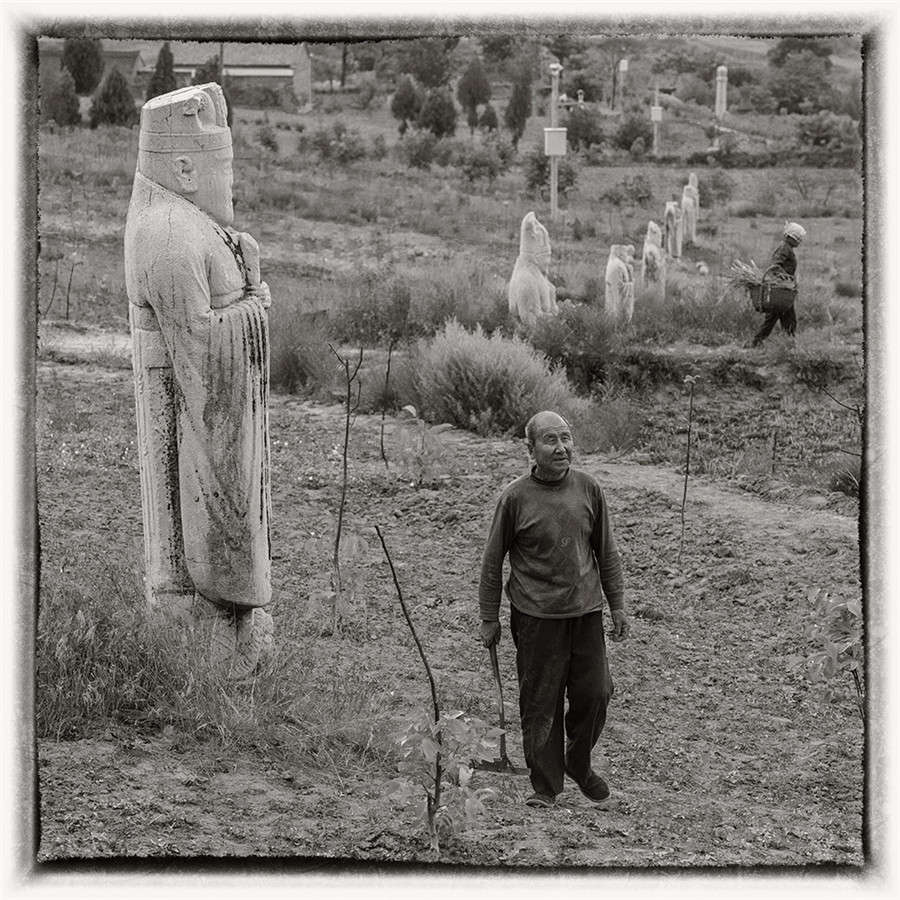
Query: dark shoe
x=540, y=801
x=593, y=787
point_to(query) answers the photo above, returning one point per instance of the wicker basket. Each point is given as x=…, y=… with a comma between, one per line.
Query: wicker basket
x=768, y=297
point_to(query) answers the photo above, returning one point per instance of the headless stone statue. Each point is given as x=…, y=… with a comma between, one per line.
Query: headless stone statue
x=690, y=206
x=530, y=292
x=653, y=261
x=199, y=326
x=674, y=229
x=619, y=296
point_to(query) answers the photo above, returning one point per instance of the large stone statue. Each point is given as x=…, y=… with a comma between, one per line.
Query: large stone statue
x=674, y=224
x=530, y=292
x=201, y=367
x=653, y=261
x=619, y=296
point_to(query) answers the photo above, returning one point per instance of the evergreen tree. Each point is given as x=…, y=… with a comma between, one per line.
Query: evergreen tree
x=428, y=61
x=473, y=90
x=163, y=78
x=60, y=104
x=207, y=73
x=517, y=111
x=438, y=113
x=83, y=57
x=114, y=105
x=406, y=102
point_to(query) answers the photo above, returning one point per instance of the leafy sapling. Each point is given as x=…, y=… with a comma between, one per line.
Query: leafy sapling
x=437, y=751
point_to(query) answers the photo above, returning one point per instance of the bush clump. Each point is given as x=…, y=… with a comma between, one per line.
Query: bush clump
x=489, y=385
x=417, y=149
x=536, y=165
x=579, y=338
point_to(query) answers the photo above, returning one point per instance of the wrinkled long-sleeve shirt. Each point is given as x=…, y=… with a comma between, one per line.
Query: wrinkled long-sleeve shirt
x=562, y=554
x=784, y=258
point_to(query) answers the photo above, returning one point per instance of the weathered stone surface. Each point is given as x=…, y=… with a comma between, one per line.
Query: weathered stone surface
x=690, y=202
x=201, y=363
x=674, y=224
x=619, y=295
x=653, y=261
x=530, y=292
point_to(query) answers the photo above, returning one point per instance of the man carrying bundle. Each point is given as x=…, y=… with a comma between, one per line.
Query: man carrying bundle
x=784, y=268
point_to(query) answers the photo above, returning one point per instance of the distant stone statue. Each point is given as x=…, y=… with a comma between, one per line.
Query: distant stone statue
x=619, y=296
x=721, y=91
x=530, y=292
x=692, y=182
x=201, y=366
x=674, y=224
x=653, y=261
x=689, y=202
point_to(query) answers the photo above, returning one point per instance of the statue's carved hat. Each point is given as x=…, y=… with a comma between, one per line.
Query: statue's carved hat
x=188, y=119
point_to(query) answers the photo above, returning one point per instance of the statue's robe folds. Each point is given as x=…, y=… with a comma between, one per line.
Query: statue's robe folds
x=202, y=403
x=619, y=286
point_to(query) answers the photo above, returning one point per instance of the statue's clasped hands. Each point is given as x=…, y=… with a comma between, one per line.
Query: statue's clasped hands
x=250, y=252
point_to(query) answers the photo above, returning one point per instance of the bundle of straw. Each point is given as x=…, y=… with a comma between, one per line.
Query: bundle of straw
x=749, y=276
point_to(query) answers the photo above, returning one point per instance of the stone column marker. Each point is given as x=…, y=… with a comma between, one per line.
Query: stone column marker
x=674, y=224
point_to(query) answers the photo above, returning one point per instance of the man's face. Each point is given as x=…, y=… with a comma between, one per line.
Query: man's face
x=553, y=447
x=214, y=182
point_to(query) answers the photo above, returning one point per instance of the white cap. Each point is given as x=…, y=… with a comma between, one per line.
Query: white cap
x=795, y=231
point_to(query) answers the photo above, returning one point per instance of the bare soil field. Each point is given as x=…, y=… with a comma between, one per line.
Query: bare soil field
x=718, y=749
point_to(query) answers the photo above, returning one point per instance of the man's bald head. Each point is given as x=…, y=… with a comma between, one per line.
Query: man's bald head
x=545, y=419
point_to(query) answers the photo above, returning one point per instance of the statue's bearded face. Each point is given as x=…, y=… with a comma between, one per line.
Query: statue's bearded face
x=214, y=180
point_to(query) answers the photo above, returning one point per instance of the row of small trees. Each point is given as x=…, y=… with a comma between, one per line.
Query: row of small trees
x=433, y=109
x=80, y=74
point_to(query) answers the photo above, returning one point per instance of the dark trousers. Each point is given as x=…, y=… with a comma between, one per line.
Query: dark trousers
x=559, y=659
x=788, y=319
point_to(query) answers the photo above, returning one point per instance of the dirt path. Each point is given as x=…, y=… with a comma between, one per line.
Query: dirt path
x=718, y=749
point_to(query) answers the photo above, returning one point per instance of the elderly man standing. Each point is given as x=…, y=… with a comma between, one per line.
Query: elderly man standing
x=784, y=264
x=554, y=525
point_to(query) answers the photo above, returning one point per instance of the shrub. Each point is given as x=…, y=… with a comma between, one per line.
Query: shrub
x=637, y=189
x=379, y=147
x=60, y=103
x=438, y=113
x=536, y=166
x=480, y=162
x=829, y=139
x=417, y=149
x=406, y=102
x=299, y=355
x=338, y=143
x=488, y=121
x=579, y=338
x=635, y=125
x=447, y=152
x=114, y=104
x=584, y=128
x=267, y=138
x=611, y=424
x=638, y=148
x=715, y=187
x=489, y=385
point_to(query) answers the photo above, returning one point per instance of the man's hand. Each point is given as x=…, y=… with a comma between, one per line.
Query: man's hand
x=490, y=633
x=621, y=625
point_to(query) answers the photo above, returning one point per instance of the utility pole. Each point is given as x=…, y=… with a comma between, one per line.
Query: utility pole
x=656, y=119
x=554, y=138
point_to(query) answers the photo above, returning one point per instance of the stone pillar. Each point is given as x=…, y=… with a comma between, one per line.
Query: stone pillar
x=689, y=203
x=303, y=79
x=721, y=91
